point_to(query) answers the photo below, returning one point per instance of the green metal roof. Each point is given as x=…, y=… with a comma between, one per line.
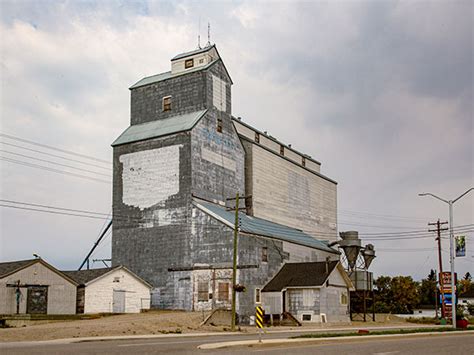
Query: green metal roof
x=167, y=75
x=196, y=51
x=159, y=128
x=152, y=79
x=264, y=228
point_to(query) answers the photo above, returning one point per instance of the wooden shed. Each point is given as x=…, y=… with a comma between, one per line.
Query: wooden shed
x=35, y=287
x=110, y=290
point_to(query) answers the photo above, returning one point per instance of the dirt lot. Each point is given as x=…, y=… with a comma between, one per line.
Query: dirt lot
x=153, y=322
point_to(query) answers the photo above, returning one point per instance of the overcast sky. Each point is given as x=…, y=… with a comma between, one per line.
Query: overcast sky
x=381, y=92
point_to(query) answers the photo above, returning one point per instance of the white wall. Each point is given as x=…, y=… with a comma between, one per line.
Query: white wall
x=285, y=193
x=272, y=302
x=99, y=294
x=61, y=292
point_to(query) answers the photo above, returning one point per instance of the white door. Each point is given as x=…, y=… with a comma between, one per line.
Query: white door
x=118, y=301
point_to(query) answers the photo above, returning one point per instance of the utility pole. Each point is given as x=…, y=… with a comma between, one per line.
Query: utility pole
x=451, y=246
x=234, y=270
x=440, y=259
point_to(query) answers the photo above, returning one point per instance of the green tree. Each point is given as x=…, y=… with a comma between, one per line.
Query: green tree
x=399, y=294
x=405, y=294
x=427, y=289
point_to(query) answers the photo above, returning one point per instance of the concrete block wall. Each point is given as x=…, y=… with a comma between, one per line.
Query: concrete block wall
x=150, y=237
x=188, y=94
x=217, y=159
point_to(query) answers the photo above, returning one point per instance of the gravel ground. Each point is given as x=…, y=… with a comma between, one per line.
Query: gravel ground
x=153, y=322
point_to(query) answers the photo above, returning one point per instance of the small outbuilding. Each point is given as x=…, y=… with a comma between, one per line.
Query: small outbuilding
x=110, y=290
x=310, y=292
x=35, y=287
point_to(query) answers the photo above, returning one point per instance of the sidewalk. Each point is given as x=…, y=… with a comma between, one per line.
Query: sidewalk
x=276, y=342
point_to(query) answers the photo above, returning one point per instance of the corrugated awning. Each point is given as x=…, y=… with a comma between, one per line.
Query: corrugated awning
x=264, y=228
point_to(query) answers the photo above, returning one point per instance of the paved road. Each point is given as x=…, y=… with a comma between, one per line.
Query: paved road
x=436, y=344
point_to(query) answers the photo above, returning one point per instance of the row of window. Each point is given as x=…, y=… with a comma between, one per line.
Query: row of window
x=223, y=293
x=282, y=148
x=189, y=63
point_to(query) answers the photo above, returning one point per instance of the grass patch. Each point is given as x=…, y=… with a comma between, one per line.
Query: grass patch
x=379, y=332
x=423, y=320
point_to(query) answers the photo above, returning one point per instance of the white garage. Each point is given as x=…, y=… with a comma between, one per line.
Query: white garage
x=110, y=290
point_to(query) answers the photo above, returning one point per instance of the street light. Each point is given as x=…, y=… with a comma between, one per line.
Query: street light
x=451, y=247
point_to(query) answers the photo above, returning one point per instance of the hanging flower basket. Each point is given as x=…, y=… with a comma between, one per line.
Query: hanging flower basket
x=239, y=288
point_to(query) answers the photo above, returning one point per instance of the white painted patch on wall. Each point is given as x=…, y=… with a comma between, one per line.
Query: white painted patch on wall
x=164, y=217
x=219, y=93
x=151, y=176
x=218, y=159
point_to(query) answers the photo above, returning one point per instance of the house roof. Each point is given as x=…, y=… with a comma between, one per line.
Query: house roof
x=196, y=51
x=159, y=128
x=84, y=276
x=261, y=227
x=10, y=267
x=308, y=274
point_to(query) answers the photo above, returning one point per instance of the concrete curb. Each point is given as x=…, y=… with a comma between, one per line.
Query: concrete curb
x=213, y=346
x=174, y=335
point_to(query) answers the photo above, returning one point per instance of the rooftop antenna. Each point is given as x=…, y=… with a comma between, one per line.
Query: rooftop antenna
x=199, y=34
x=208, y=34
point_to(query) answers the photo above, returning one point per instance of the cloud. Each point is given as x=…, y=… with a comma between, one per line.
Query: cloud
x=380, y=92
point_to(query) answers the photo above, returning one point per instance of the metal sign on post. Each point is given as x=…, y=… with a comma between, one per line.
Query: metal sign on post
x=259, y=321
x=460, y=246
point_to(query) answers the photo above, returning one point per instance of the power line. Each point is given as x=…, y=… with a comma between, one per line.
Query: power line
x=54, y=148
x=56, y=156
x=53, y=170
x=52, y=162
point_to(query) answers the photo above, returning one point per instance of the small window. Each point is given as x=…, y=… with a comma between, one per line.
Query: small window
x=223, y=294
x=343, y=298
x=306, y=317
x=203, y=291
x=189, y=63
x=167, y=103
x=257, y=137
x=282, y=150
x=265, y=254
x=258, y=294
x=201, y=61
x=303, y=161
x=219, y=125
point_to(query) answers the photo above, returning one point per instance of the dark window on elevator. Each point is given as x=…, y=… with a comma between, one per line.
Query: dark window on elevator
x=303, y=161
x=265, y=254
x=189, y=63
x=167, y=103
x=219, y=125
x=257, y=137
x=282, y=150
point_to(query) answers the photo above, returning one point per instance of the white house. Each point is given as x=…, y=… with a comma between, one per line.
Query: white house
x=310, y=291
x=35, y=287
x=466, y=298
x=110, y=290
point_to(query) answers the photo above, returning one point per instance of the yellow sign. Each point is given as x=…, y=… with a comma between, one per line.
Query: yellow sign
x=259, y=317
